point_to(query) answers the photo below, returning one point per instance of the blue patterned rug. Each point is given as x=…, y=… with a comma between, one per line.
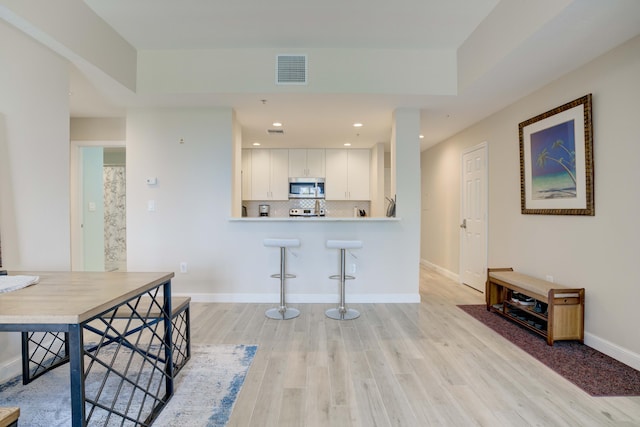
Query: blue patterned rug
x=205, y=391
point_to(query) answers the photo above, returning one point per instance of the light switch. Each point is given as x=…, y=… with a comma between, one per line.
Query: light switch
x=92, y=206
x=151, y=205
x=152, y=181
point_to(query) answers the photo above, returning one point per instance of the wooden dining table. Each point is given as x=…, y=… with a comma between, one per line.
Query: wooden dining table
x=110, y=310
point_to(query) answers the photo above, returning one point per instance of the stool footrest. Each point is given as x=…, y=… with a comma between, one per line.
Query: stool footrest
x=338, y=277
x=286, y=276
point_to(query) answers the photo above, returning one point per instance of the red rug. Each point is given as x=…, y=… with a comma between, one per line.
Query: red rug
x=594, y=372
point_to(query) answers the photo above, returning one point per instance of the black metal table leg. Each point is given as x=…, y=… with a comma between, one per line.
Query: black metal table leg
x=76, y=373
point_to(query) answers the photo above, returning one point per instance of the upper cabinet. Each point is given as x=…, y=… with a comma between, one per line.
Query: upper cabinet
x=269, y=175
x=246, y=174
x=266, y=172
x=307, y=163
x=347, y=175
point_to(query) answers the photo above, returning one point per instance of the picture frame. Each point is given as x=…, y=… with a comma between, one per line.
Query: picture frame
x=556, y=161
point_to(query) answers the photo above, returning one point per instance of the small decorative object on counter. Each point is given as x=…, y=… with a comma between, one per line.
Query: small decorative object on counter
x=391, y=209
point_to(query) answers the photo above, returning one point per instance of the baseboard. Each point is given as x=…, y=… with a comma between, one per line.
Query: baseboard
x=610, y=349
x=446, y=273
x=10, y=369
x=304, y=298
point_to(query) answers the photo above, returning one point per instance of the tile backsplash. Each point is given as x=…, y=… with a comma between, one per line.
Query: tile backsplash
x=333, y=208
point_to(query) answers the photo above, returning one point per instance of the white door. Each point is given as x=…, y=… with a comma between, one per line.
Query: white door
x=473, y=227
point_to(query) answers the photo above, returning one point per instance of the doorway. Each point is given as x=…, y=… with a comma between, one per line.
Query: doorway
x=98, y=195
x=473, y=208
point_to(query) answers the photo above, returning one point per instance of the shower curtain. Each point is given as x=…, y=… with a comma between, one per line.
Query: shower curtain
x=115, y=218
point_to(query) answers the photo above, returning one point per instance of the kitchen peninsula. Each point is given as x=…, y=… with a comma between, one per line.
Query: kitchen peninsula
x=385, y=268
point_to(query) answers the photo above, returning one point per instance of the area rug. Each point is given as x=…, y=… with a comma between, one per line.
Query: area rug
x=205, y=391
x=592, y=371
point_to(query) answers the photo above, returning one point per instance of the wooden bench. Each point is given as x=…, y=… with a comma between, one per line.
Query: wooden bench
x=557, y=312
x=9, y=416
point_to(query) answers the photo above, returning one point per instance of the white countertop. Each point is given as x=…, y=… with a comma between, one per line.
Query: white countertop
x=314, y=219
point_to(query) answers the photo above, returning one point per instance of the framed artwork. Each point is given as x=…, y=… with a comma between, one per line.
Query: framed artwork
x=556, y=161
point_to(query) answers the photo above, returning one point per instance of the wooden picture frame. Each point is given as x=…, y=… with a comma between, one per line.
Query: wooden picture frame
x=556, y=161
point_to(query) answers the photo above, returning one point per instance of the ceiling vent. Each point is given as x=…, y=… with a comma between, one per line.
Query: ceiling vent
x=275, y=131
x=291, y=69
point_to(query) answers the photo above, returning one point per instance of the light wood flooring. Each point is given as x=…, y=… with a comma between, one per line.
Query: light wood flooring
x=427, y=364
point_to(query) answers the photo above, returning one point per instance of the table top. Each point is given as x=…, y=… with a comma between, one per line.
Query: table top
x=73, y=297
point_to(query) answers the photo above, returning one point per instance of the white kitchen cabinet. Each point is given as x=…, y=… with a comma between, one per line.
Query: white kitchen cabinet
x=269, y=174
x=246, y=174
x=358, y=174
x=307, y=163
x=347, y=174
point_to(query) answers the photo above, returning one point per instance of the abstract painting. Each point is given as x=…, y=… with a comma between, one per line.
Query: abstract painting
x=556, y=161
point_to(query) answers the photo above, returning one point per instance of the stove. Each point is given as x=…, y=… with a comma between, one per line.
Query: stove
x=306, y=212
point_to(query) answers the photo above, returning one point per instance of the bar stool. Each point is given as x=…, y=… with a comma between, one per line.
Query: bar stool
x=282, y=312
x=342, y=313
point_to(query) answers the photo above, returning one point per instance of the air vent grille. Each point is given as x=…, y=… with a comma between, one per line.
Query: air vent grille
x=291, y=69
x=275, y=131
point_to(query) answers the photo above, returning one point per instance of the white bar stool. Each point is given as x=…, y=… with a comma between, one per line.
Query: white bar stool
x=342, y=312
x=282, y=312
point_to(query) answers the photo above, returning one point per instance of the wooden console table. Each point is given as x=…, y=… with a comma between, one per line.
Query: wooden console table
x=557, y=313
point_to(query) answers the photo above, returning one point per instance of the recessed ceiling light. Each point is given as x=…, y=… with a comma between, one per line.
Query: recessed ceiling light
x=277, y=124
x=357, y=125
x=256, y=144
x=347, y=144
x=421, y=136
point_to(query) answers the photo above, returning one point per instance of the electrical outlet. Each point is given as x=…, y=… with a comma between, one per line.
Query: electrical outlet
x=549, y=278
x=183, y=267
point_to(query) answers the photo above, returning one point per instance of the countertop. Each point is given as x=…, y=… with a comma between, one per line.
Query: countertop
x=314, y=219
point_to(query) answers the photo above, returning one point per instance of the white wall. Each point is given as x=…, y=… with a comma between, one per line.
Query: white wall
x=226, y=259
x=34, y=162
x=98, y=129
x=599, y=253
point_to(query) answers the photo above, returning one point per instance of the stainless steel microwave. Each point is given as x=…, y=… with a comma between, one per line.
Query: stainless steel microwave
x=306, y=188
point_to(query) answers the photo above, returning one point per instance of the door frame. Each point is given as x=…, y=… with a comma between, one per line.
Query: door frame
x=482, y=146
x=75, y=200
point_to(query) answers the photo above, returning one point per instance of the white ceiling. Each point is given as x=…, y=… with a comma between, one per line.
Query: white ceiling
x=576, y=34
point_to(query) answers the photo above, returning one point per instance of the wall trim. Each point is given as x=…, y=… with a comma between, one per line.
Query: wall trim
x=448, y=274
x=10, y=369
x=621, y=354
x=273, y=298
